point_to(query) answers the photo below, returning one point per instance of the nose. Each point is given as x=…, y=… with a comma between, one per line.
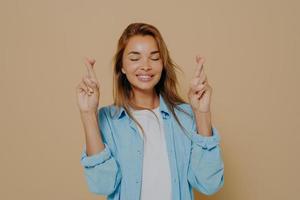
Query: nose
x=146, y=65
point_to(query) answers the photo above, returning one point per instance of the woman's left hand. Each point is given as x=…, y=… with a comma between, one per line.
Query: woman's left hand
x=200, y=91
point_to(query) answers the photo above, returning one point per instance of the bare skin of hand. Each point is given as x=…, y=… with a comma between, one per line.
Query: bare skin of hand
x=200, y=91
x=88, y=90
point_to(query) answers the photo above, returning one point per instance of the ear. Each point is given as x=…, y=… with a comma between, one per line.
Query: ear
x=123, y=71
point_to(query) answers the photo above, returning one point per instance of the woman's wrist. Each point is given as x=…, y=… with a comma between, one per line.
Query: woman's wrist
x=88, y=113
x=203, y=122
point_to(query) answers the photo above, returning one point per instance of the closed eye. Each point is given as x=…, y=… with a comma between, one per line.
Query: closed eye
x=155, y=59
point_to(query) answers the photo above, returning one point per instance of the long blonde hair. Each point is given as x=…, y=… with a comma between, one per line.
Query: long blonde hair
x=167, y=85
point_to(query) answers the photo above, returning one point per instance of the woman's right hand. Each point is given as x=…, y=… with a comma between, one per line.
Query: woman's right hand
x=88, y=90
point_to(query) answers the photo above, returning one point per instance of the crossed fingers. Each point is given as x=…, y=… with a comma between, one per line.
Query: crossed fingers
x=89, y=81
x=199, y=82
x=89, y=63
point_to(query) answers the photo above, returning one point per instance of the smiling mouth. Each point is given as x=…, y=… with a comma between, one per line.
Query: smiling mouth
x=144, y=78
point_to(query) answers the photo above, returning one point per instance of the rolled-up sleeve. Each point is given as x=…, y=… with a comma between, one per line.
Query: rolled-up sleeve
x=101, y=170
x=206, y=166
x=96, y=159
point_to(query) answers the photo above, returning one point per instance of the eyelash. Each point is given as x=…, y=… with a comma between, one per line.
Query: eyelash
x=138, y=59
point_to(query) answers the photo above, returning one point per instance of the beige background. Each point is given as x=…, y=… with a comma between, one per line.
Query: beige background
x=252, y=53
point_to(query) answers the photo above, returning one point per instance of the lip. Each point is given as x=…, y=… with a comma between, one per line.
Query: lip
x=144, y=77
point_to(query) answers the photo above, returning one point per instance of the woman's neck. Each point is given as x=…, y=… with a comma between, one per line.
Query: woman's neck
x=147, y=100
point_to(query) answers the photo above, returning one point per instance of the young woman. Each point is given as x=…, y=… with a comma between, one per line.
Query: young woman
x=150, y=143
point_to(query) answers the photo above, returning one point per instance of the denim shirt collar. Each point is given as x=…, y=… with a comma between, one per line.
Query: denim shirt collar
x=162, y=107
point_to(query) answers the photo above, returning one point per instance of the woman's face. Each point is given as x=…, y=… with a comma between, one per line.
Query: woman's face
x=142, y=63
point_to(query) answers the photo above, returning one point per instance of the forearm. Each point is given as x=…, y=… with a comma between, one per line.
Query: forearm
x=94, y=143
x=203, y=123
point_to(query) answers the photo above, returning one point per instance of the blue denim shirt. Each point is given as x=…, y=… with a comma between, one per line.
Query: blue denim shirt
x=116, y=172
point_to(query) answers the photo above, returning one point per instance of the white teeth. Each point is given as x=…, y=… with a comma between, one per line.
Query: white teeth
x=144, y=77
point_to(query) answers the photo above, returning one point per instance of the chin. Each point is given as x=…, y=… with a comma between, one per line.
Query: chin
x=144, y=87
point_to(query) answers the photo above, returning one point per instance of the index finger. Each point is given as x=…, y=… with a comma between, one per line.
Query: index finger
x=89, y=63
x=200, y=61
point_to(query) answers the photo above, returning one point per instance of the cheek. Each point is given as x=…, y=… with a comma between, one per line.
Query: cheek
x=130, y=67
x=158, y=67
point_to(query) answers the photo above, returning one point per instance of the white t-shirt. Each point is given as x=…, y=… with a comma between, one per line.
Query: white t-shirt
x=156, y=179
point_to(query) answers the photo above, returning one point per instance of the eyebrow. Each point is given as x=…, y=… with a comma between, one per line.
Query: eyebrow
x=136, y=52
